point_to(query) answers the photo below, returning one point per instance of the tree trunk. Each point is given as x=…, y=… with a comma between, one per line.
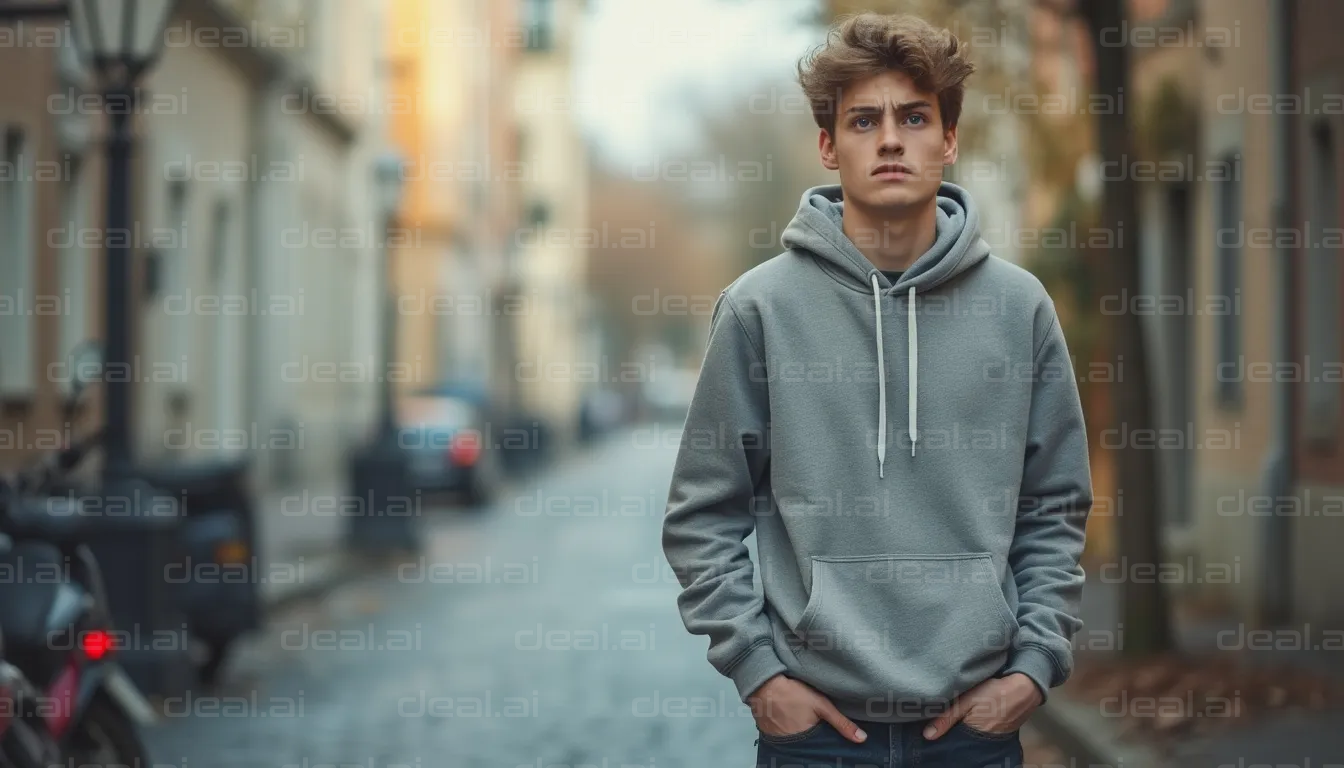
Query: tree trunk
x=1139, y=514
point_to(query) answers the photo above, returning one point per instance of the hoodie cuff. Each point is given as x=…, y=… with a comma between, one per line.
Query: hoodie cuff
x=751, y=671
x=1035, y=664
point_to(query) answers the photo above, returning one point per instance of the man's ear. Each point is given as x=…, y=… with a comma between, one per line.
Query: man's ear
x=827, y=147
x=950, y=146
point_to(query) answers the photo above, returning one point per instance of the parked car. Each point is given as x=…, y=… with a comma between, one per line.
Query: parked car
x=600, y=411
x=449, y=439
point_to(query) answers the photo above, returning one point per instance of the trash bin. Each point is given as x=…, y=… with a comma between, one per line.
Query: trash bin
x=218, y=582
x=383, y=516
x=133, y=528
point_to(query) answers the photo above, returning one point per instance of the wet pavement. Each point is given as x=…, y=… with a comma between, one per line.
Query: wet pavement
x=541, y=631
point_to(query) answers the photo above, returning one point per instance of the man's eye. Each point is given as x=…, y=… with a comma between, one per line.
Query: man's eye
x=858, y=123
x=917, y=117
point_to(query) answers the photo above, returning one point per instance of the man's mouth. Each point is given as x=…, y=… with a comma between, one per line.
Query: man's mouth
x=893, y=172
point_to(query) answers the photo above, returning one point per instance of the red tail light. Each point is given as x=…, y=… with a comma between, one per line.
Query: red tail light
x=465, y=448
x=95, y=644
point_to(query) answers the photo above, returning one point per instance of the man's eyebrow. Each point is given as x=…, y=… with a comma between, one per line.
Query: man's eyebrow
x=868, y=109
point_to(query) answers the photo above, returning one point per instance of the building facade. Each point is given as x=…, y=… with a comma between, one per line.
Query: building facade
x=557, y=328
x=50, y=234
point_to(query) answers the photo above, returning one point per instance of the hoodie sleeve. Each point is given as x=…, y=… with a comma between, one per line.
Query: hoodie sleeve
x=721, y=462
x=1053, y=504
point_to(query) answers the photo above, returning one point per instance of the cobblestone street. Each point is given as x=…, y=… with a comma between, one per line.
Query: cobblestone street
x=540, y=632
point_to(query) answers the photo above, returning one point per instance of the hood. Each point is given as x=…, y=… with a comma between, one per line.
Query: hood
x=817, y=228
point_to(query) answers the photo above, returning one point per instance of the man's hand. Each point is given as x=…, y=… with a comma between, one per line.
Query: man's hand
x=997, y=705
x=785, y=706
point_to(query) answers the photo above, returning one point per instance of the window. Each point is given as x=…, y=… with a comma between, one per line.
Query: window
x=538, y=216
x=1227, y=285
x=74, y=261
x=175, y=283
x=539, y=23
x=1320, y=291
x=219, y=234
x=225, y=363
x=17, y=375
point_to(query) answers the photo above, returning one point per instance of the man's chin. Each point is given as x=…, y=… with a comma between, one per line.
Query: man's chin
x=896, y=198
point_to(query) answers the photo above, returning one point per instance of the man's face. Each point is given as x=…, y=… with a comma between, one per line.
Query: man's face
x=889, y=144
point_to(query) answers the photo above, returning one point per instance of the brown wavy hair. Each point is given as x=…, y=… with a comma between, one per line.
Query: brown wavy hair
x=865, y=44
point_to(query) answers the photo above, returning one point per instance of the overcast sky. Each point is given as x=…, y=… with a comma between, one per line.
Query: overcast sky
x=645, y=68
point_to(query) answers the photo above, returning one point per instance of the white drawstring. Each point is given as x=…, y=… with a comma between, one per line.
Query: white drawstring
x=913, y=375
x=881, y=381
x=913, y=351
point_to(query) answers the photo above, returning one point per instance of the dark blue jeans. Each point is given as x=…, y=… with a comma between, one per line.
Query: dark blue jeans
x=899, y=745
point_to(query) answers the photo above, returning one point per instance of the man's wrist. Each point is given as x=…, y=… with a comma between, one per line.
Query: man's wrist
x=761, y=689
x=754, y=669
x=1027, y=684
x=1038, y=665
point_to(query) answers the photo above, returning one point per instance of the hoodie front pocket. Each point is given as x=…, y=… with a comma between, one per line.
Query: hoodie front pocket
x=903, y=630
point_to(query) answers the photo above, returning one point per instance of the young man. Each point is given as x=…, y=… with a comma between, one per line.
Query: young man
x=893, y=410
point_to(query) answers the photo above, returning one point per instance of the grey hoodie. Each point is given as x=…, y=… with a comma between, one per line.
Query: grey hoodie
x=893, y=580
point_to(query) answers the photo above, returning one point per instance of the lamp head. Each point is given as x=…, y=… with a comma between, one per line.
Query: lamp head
x=120, y=39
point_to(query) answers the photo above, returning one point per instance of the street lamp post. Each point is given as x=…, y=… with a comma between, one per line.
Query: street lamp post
x=379, y=471
x=389, y=184
x=117, y=446
x=119, y=41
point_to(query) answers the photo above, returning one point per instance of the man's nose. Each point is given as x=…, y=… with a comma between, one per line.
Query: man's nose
x=891, y=138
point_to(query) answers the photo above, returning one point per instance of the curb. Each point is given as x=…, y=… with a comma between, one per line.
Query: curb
x=1088, y=738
